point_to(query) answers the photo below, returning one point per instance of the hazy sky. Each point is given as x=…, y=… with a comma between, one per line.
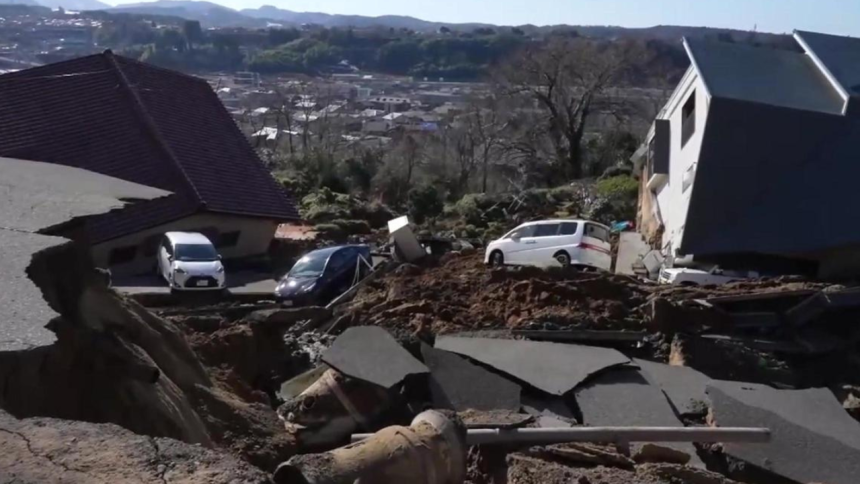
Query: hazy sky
x=830, y=16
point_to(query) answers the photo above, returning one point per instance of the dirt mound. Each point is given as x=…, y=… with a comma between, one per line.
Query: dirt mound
x=39, y=450
x=461, y=294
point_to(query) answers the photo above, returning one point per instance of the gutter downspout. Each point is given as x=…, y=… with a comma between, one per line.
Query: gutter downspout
x=824, y=70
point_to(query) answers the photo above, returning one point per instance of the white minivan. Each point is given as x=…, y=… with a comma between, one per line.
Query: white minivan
x=188, y=262
x=579, y=243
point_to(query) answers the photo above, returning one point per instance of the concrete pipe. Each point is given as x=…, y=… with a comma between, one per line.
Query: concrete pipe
x=430, y=451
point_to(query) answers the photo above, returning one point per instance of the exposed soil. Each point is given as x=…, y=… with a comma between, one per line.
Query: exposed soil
x=460, y=294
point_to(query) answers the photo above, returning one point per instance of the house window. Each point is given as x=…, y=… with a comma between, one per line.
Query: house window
x=688, y=119
x=122, y=255
x=150, y=245
x=228, y=239
x=652, y=154
x=210, y=233
x=689, y=175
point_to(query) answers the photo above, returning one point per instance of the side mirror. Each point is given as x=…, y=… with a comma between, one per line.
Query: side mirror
x=219, y=257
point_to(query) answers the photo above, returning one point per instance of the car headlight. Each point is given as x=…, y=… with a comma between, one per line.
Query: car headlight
x=180, y=270
x=310, y=288
x=220, y=269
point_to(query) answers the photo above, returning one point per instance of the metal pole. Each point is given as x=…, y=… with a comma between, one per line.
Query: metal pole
x=560, y=435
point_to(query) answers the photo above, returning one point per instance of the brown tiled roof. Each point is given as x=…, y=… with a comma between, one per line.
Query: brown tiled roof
x=140, y=123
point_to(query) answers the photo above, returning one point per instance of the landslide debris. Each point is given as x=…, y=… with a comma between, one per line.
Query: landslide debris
x=459, y=293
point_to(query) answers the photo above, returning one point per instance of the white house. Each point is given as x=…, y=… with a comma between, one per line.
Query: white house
x=752, y=163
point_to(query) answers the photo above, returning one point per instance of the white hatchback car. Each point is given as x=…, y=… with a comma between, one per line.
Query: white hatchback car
x=580, y=243
x=188, y=261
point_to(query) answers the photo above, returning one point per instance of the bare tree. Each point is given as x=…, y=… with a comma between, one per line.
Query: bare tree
x=485, y=126
x=567, y=80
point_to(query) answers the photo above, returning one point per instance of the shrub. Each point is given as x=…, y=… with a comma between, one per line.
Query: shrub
x=618, y=186
x=352, y=227
x=424, y=202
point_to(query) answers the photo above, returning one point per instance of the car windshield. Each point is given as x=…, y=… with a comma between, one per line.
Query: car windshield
x=311, y=265
x=196, y=252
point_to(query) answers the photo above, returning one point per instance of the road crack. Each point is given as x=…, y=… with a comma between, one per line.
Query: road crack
x=33, y=451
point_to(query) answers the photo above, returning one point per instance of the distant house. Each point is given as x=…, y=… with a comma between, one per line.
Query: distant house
x=150, y=126
x=753, y=162
x=389, y=104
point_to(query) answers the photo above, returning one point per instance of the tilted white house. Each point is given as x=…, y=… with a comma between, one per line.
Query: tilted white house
x=755, y=159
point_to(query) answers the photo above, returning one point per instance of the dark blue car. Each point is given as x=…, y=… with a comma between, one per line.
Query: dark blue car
x=322, y=275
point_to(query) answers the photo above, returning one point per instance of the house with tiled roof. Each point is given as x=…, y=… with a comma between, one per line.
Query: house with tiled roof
x=753, y=162
x=151, y=126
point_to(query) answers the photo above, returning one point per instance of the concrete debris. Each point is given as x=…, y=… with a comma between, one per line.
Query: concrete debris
x=589, y=454
x=332, y=408
x=494, y=419
x=295, y=386
x=369, y=353
x=459, y=385
x=678, y=473
x=406, y=245
x=551, y=367
x=813, y=438
x=433, y=443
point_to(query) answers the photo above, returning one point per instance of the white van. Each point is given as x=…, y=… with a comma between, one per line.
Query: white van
x=189, y=262
x=580, y=243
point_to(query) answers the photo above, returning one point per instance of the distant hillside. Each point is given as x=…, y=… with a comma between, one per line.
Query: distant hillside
x=211, y=14
x=29, y=3
x=74, y=4
x=359, y=21
x=208, y=13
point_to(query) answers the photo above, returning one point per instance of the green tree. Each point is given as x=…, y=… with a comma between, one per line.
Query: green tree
x=399, y=56
x=425, y=202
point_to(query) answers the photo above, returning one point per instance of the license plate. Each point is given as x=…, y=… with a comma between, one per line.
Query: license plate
x=287, y=303
x=202, y=283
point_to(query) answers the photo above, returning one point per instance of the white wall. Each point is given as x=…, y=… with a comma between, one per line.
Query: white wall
x=671, y=198
x=256, y=235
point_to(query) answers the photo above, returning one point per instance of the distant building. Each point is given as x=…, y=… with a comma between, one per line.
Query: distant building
x=389, y=104
x=154, y=127
x=245, y=78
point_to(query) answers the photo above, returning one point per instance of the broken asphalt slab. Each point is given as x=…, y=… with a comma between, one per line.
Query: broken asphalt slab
x=370, y=354
x=684, y=386
x=460, y=385
x=622, y=397
x=552, y=367
x=36, y=199
x=813, y=439
x=550, y=412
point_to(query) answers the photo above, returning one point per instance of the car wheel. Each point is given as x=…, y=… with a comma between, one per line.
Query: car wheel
x=497, y=259
x=563, y=258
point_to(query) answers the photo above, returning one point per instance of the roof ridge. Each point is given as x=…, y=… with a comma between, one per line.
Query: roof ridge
x=247, y=144
x=157, y=68
x=149, y=123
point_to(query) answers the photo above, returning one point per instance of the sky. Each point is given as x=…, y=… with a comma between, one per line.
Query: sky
x=829, y=16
